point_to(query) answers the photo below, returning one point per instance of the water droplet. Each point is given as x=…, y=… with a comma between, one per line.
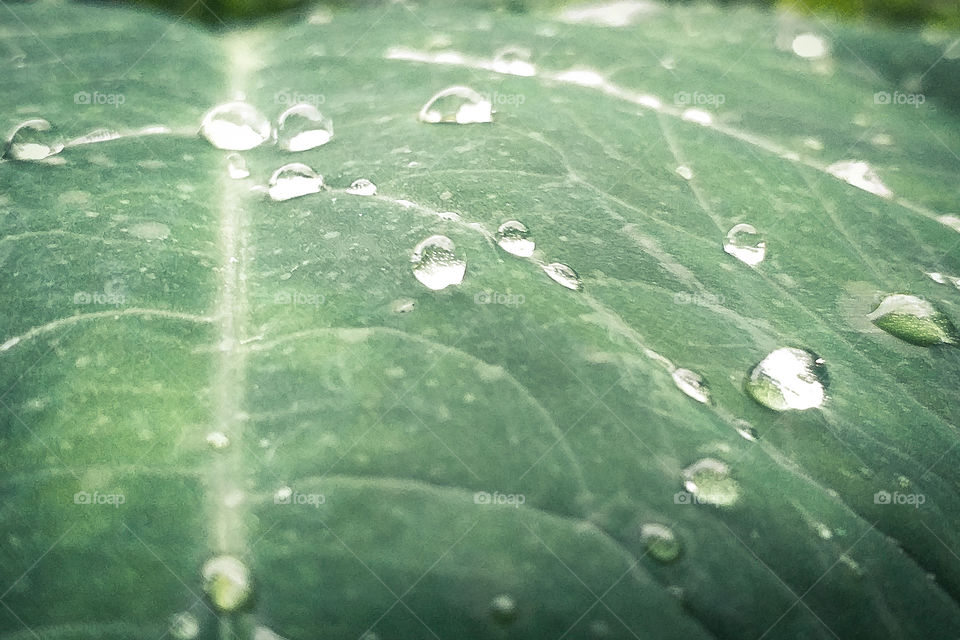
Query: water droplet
x=436, y=265
x=237, y=167
x=184, y=626
x=235, y=126
x=514, y=61
x=692, y=384
x=789, y=378
x=362, y=187
x=282, y=494
x=150, y=231
x=303, y=127
x=660, y=541
x=503, y=609
x=746, y=431
x=564, y=275
x=514, y=238
x=941, y=278
x=698, y=116
x=218, y=440
x=226, y=581
x=861, y=175
x=710, y=482
x=403, y=305
x=685, y=172
x=808, y=45
x=294, y=180
x=32, y=140
x=459, y=105
x=744, y=243
x=950, y=221
x=582, y=77
x=914, y=320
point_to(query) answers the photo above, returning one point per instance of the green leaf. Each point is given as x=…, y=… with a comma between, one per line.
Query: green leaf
x=193, y=371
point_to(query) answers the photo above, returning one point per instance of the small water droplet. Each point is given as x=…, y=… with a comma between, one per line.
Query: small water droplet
x=514, y=61
x=564, y=275
x=685, y=172
x=227, y=582
x=457, y=105
x=436, y=265
x=744, y=243
x=403, y=305
x=789, y=378
x=184, y=626
x=809, y=45
x=503, y=609
x=32, y=140
x=710, y=482
x=914, y=320
x=362, y=187
x=660, y=541
x=514, y=238
x=218, y=440
x=294, y=180
x=235, y=126
x=698, y=116
x=861, y=175
x=692, y=384
x=746, y=431
x=282, y=495
x=303, y=127
x=237, y=167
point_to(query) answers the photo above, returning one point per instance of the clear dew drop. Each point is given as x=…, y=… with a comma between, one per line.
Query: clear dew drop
x=218, y=440
x=235, y=126
x=514, y=238
x=744, y=243
x=861, y=175
x=184, y=626
x=661, y=543
x=294, y=180
x=810, y=46
x=514, y=61
x=914, y=320
x=436, y=264
x=503, y=609
x=457, y=105
x=746, y=431
x=685, y=172
x=697, y=116
x=237, y=167
x=709, y=481
x=227, y=582
x=303, y=127
x=32, y=140
x=563, y=275
x=362, y=187
x=789, y=378
x=692, y=384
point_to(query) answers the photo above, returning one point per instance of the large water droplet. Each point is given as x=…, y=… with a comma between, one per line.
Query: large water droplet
x=503, y=609
x=564, y=275
x=218, y=440
x=860, y=175
x=914, y=320
x=237, y=167
x=436, y=265
x=692, y=384
x=226, y=581
x=362, y=187
x=458, y=105
x=745, y=244
x=235, y=126
x=660, y=541
x=184, y=626
x=294, y=180
x=514, y=61
x=709, y=481
x=303, y=127
x=789, y=378
x=514, y=237
x=32, y=140
x=809, y=45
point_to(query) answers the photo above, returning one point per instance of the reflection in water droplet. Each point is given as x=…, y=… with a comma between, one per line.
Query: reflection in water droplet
x=303, y=127
x=808, y=45
x=514, y=238
x=789, y=378
x=660, y=541
x=226, y=581
x=362, y=187
x=32, y=140
x=699, y=116
x=235, y=126
x=685, y=172
x=861, y=175
x=218, y=440
x=237, y=167
x=514, y=61
x=562, y=274
x=436, y=265
x=709, y=481
x=294, y=180
x=503, y=609
x=692, y=384
x=914, y=320
x=184, y=626
x=744, y=243
x=457, y=105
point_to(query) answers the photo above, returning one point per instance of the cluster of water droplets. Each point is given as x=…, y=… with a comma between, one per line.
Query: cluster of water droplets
x=239, y=126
